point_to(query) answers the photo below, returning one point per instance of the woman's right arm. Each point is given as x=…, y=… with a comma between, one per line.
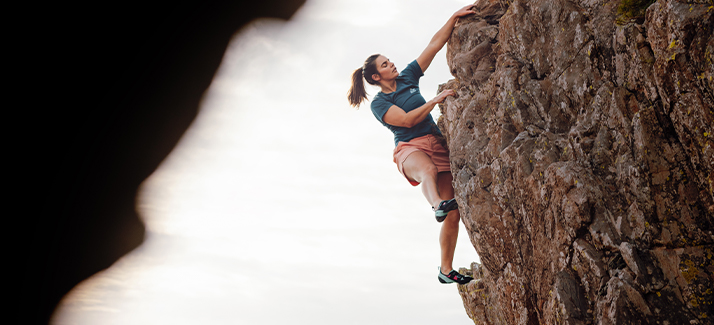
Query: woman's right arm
x=441, y=37
x=396, y=116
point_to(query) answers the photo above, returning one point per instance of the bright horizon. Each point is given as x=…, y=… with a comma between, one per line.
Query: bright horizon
x=281, y=203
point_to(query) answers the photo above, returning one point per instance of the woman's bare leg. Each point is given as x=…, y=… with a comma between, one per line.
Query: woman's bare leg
x=436, y=187
x=450, y=226
x=419, y=167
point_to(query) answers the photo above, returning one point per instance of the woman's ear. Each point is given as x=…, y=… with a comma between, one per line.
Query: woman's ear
x=376, y=77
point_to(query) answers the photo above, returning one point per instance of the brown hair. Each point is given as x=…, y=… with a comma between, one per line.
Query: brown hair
x=357, y=94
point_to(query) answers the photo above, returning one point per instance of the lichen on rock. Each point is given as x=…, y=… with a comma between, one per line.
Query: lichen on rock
x=583, y=156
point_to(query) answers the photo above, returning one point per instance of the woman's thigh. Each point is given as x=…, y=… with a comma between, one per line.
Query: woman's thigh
x=418, y=165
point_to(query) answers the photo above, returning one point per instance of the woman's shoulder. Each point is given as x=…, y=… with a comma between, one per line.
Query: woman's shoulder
x=379, y=98
x=414, y=65
x=412, y=71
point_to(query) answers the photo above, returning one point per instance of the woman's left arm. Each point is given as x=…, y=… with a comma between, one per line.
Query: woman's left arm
x=440, y=38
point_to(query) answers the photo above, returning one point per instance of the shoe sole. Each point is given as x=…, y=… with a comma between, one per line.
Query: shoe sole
x=445, y=281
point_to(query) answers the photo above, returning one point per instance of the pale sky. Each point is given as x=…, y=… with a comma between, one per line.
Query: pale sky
x=281, y=203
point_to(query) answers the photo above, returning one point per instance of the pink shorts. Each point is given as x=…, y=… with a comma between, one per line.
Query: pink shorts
x=427, y=144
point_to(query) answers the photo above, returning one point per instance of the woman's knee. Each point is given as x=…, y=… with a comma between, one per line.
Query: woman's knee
x=425, y=172
x=419, y=167
x=430, y=170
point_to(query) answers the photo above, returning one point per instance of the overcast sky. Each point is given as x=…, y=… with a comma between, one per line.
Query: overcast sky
x=281, y=204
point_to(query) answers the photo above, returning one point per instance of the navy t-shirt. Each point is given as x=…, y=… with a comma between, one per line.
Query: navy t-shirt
x=406, y=97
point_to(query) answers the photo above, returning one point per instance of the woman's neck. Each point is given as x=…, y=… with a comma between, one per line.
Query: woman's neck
x=388, y=86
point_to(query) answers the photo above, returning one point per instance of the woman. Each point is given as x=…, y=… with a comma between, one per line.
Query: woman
x=419, y=156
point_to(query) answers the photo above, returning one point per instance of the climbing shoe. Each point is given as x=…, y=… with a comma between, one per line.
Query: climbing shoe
x=443, y=209
x=454, y=276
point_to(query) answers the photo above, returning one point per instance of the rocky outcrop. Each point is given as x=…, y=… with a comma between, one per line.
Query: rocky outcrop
x=582, y=152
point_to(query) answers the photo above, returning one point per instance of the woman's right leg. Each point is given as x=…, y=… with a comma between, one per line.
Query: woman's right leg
x=419, y=167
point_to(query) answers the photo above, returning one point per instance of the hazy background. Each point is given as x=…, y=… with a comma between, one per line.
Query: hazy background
x=281, y=204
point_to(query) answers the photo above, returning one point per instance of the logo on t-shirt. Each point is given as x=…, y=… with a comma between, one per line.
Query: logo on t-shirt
x=413, y=90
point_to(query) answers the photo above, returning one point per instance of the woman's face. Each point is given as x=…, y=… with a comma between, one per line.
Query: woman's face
x=385, y=68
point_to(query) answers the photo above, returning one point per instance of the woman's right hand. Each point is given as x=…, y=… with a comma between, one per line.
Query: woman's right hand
x=465, y=11
x=442, y=95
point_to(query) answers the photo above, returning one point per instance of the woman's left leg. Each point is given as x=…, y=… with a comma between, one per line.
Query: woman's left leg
x=450, y=226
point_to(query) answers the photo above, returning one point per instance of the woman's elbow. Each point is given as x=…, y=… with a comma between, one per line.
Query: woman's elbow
x=409, y=123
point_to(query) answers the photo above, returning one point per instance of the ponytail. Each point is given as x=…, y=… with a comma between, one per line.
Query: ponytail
x=357, y=93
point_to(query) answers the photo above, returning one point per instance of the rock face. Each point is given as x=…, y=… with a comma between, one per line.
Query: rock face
x=582, y=152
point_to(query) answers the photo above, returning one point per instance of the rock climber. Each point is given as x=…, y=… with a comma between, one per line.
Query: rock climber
x=419, y=154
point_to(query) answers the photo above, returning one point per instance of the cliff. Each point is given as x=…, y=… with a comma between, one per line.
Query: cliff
x=582, y=151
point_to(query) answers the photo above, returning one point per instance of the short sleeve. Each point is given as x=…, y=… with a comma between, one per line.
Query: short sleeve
x=380, y=106
x=412, y=72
